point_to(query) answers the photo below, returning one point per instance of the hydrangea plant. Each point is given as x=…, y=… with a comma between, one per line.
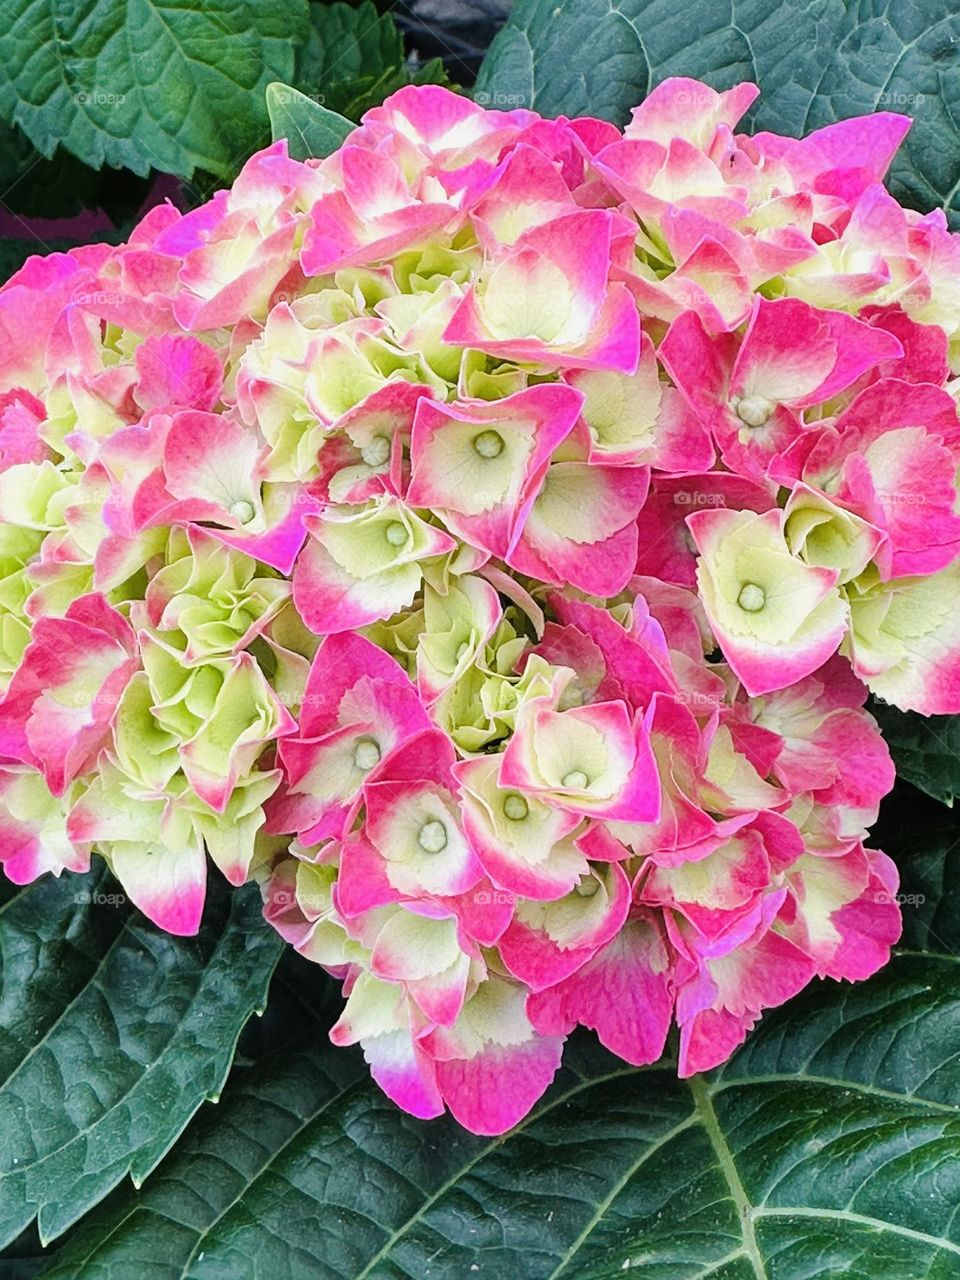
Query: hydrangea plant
x=485, y=538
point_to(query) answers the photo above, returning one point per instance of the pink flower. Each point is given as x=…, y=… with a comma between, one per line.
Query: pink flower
x=484, y=537
x=358, y=705
x=752, y=394
x=891, y=457
x=547, y=300
x=59, y=707
x=482, y=464
x=412, y=842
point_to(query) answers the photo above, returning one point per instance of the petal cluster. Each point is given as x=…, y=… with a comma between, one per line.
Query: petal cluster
x=486, y=539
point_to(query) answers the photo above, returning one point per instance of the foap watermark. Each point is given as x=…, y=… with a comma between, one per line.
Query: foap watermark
x=696, y=498
x=902, y=498
x=499, y=101
x=901, y=899
x=98, y=98
x=695, y=97
x=494, y=897
x=899, y=98
x=699, y=700
x=315, y=902
x=102, y=298
x=97, y=898
x=285, y=96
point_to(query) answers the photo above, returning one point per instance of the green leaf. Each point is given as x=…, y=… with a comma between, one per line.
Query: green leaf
x=582, y=59
x=345, y=43
x=816, y=63
x=166, y=84
x=829, y=1147
x=113, y=1033
x=354, y=97
x=925, y=749
x=309, y=128
x=354, y=59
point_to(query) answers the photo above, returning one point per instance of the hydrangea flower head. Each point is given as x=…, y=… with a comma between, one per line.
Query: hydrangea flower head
x=485, y=538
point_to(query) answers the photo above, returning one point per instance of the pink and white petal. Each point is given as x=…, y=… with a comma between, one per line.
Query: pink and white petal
x=624, y=994
x=679, y=106
x=330, y=600
x=491, y=1092
x=280, y=543
x=581, y=528
x=211, y=460
x=405, y=1073
x=440, y=997
x=33, y=835
x=168, y=885
x=362, y=882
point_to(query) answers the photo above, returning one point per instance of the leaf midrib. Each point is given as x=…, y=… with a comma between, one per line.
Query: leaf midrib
x=703, y=1109
x=704, y=1114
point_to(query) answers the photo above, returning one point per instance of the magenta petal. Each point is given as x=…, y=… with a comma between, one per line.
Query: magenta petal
x=624, y=994
x=490, y=1093
x=405, y=1073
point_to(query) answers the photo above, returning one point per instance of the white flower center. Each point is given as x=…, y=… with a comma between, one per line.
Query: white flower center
x=396, y=534
x=366, y=754
x=751, y=598
x=575, y=780
x=515, y=807
x=489, y=444
x=432, y=837
x=242, y=510
x=587, y=888
x=754, y=411
x=376, y=452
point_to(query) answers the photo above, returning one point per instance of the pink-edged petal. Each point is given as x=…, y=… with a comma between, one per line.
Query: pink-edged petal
x=582, y=527
x=33, y=835
x=60, y=704
x=491, y=1092
x=405, y=1073
x=538, y=959
x=362, y=883
x=167, y=885
x=487, y=499
x=624, y=994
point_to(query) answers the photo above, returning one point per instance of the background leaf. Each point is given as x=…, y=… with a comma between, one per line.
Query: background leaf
x=828, y=1147
x=309, y=128
x=815, y=64
x=113, y=1033
x=355, y=58
x=925, y=749
x=162, y=84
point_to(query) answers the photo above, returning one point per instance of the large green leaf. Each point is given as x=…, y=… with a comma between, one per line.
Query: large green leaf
x=925, y=749
x=815, y=63
x=355, y=58
x=309, y=128
x=113, y=1033
x=829, y=1147
x=346, y=42
x=166, y=84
